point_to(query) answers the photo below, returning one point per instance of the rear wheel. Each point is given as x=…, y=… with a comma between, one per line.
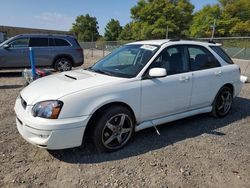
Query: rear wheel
x=223, y=102
x=114, y=129
x=63, y=64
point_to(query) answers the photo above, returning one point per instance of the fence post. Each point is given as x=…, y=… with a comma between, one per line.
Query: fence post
x=103, y=52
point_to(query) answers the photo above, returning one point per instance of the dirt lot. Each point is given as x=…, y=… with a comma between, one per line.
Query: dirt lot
x=200, y=151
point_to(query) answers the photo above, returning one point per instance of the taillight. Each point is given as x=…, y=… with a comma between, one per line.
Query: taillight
x=80, y=50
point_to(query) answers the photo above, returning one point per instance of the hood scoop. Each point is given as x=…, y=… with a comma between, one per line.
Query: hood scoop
x=77, y=75
x=70, y=77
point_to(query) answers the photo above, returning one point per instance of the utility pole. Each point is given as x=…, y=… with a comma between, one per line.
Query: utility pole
x=213, y=30
x=92, y=44
x=167, y=33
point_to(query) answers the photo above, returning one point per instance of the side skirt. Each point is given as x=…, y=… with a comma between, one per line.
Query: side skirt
x=155, y=122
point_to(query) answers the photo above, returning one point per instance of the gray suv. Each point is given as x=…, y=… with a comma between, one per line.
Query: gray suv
x=61, y=52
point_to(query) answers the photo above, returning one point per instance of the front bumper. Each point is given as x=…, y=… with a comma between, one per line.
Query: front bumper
x=48, y=133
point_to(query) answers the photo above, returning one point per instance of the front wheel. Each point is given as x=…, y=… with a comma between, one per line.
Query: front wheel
x=114, y=129
x=223, y=102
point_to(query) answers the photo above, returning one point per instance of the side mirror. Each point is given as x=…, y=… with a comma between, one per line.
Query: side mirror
x=157, y=72
x=6, y=46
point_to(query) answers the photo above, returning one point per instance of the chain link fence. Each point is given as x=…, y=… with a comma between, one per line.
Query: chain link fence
x=236, y=47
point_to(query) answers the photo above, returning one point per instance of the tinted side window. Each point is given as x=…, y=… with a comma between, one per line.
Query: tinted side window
x=61, y=42
x=172, y=59
x=76, y=42
x=20, y=43
x=38, y=42
x=222, y=54
x=200, y=58
x=51, y=42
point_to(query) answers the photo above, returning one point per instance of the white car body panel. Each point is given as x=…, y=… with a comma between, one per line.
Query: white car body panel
x=206, y=84
x=159, y=95
x=153, y=101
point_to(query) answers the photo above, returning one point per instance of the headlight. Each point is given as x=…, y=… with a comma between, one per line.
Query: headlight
x=47, y=109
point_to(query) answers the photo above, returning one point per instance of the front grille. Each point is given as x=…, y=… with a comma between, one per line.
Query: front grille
x=24, y=103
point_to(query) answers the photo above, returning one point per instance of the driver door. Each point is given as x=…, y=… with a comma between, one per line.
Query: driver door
x=171, y=94
x=17, y=55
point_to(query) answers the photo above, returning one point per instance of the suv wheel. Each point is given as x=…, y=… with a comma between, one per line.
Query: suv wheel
x=223, y=102
x=63, y=64
x=114, y=129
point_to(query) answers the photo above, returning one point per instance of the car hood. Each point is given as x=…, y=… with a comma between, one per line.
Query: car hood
x=58, y=85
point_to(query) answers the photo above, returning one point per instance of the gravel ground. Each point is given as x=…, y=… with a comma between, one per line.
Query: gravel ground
x=199, y=151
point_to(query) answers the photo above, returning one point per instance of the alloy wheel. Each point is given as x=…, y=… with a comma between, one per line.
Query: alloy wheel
x=117, y=131
x=224, y=102
x=63, y=65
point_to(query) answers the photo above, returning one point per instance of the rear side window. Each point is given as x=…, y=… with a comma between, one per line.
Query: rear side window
x=76, y=42
x=222, y=54
x=200, y=58
x=61, y=42
x=39, y=42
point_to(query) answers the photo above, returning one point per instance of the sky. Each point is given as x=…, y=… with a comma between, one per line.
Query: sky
x=60, y=14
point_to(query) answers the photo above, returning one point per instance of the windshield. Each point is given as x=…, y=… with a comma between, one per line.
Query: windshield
x=126, y=61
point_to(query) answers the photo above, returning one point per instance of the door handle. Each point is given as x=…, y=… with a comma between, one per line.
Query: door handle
x=218, y=73
x=184, y=78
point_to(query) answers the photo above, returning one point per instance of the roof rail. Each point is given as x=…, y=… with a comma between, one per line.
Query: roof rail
x=212, y=42
x=173, y=40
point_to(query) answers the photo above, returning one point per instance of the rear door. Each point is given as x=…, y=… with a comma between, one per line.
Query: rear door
x=206, y=74
x=42, y=54
x=17, y=55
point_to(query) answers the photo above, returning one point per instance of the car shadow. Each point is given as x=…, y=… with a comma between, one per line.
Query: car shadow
x=10, y=74
x=10, y=86
x=170, y=133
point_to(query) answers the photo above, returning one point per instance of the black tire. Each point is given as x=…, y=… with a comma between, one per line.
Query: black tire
x=113, y=129
x=223, y=102
x=63, y=64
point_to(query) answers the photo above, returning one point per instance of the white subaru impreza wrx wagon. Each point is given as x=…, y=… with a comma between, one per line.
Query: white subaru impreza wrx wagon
x=140, y=85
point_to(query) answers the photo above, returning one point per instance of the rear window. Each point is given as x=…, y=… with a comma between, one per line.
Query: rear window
x=61, y=42
x=39, y=42
x=222, y=54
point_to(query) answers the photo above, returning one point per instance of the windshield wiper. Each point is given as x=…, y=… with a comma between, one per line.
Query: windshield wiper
x=100, y=71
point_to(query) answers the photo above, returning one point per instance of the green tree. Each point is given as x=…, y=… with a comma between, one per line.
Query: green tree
x=232, y=19
x=85, y=28
x=203, y=21
x=112, y=30
x=238, y=12
x=126, y=33
x=151, y=18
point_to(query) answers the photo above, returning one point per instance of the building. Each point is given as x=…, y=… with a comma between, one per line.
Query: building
x=9, y=31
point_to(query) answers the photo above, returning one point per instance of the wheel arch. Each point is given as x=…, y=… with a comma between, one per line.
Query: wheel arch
x=97, y=113
x=229, y=85
x=67, y=56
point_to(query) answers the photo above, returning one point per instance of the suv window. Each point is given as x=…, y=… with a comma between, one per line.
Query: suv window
x=200, y=58
x=20, y=43
x=222, y=54
x=38, y=42
x=172, y=59
x=61, y=42
x=51, y=42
